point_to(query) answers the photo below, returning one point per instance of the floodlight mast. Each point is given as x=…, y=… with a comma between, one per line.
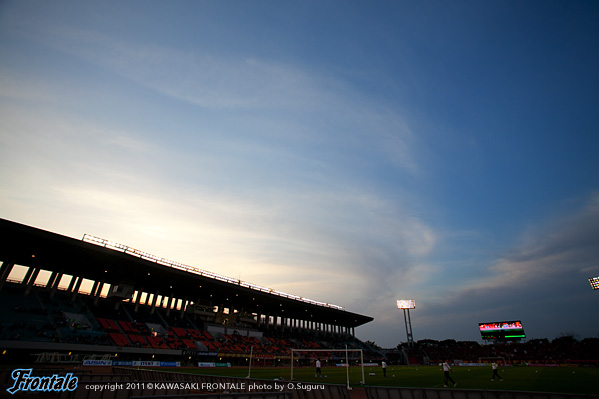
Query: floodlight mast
x=406, y=305
x=408, y=326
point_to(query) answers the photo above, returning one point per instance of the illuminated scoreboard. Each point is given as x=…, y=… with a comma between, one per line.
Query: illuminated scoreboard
x=511, y=330
x=594, y=282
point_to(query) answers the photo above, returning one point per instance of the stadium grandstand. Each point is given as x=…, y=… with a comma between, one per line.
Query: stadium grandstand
x=141, y=307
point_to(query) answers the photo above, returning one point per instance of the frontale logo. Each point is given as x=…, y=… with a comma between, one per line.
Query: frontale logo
x=24, y=381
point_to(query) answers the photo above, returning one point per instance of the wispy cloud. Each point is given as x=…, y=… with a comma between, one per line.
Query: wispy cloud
x=563, y=246
x=301, y=99
x=208, y=80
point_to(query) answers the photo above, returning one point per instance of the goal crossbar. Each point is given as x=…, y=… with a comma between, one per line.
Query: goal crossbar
x=346, y=350
x=480, y=359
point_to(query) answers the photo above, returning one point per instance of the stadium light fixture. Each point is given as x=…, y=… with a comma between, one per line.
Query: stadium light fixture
x=406, y=305
x=594, y=282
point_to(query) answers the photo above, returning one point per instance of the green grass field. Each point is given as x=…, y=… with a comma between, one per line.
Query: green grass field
x=539, y=379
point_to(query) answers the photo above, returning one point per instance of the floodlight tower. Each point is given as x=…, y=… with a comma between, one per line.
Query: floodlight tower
x=406, y=305
x=594, y=282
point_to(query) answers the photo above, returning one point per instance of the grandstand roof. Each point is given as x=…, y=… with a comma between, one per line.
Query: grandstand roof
x=33, y=247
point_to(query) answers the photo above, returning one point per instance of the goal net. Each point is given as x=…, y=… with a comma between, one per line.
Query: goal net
x=352, y=360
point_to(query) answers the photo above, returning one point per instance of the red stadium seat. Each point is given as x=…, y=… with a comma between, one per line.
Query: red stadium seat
x=119, y=339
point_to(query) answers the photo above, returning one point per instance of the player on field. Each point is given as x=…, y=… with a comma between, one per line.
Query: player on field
x=318, y=372
x=446, y=370
x=495, y=374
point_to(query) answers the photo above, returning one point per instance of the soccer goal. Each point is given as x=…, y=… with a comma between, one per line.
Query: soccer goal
x=492, y=358
x=330, y=356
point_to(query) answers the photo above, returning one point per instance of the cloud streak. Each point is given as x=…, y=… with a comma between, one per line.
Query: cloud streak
x=309, y=103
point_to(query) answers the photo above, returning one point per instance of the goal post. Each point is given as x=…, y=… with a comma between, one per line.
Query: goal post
x=484, y=359
x=347, y=365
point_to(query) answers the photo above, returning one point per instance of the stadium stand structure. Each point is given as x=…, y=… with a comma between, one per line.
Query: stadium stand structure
x=141, y=309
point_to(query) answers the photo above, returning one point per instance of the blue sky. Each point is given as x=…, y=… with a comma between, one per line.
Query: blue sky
x=348, y=152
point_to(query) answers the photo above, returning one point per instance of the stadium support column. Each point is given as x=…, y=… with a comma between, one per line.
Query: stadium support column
x=4, y=272
x=71, y=284
x=55, y=284
x=50, y=282
x=170, y=303
x=98, y=291
x=76, y=289
x=28, y=275
x=183, y=306
x=31, y=281
x=92, y=293
x=138, y=299
x=154, y=302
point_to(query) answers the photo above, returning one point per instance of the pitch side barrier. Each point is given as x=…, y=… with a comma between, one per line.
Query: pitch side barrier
x=328, y=391
x=256, y=395
x=453, y=393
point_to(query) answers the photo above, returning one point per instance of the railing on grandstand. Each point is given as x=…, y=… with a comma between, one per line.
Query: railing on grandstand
x=165, y=262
